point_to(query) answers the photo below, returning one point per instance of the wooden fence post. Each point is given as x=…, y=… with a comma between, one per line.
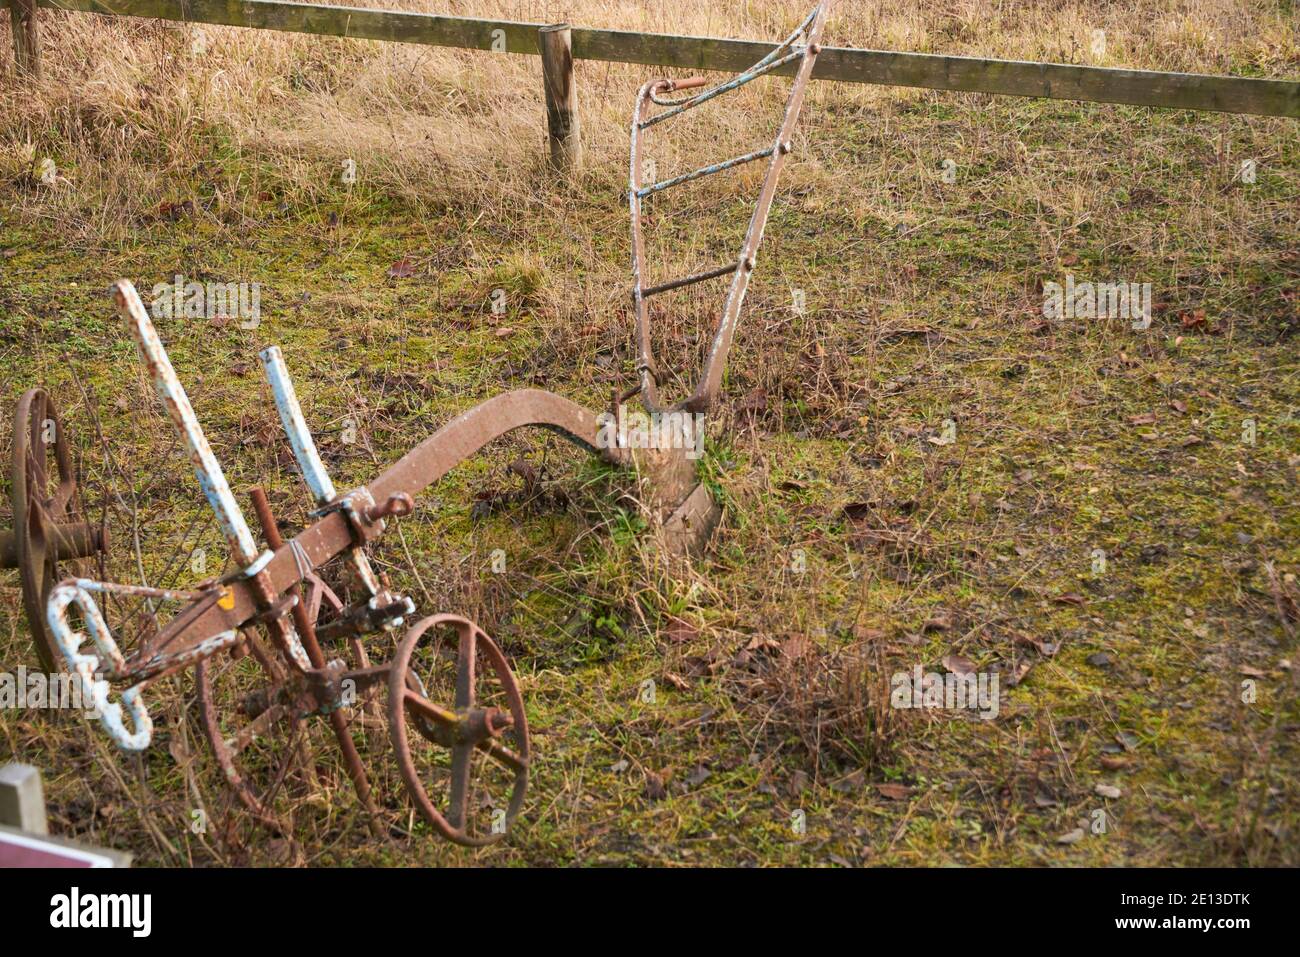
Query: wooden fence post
x=27, y=46
x=562, y=128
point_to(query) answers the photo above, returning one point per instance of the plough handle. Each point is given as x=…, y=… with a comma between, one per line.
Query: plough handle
x=304, y=450
x=206, y=467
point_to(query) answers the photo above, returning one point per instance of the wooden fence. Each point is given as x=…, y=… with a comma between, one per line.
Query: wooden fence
x=1228, y=94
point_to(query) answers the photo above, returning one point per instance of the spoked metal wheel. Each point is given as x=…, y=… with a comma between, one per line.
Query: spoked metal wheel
x=254, y=726
x=457, y=723
x=50, y=531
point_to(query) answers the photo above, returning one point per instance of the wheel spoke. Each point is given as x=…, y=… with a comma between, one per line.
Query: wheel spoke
x=465, y=667
x=426, y=708
x=461, y=760
x=63, y=496
x=504, y=756
x=312, y=600
x=37, y=425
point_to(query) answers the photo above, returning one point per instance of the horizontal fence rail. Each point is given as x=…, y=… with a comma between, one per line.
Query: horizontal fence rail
x=1228, y=94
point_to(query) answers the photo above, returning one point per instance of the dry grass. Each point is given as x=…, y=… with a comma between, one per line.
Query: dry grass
x=923, y=306
x=132, y=108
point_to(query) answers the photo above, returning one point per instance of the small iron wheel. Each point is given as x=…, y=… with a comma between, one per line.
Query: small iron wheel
x=476, y=750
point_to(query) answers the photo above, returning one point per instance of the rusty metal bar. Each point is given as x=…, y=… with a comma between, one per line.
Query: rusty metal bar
x=706, y=171
x=690, y=280
x=727, y=87
x=78, y=540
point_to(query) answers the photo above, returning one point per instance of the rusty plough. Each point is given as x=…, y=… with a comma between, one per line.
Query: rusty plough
x=455, y=713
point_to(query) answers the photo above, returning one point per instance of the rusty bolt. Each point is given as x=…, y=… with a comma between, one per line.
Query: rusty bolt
x=399, y=505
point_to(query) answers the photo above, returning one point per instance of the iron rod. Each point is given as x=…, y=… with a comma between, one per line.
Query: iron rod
x=690, y=280
x=704, y=171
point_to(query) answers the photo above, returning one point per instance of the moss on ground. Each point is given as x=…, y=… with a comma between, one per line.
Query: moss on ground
x=852, y=525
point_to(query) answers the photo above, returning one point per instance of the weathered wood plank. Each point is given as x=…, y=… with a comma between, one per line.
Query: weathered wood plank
x=471, y=33
x=955, y=73
x=929, y=71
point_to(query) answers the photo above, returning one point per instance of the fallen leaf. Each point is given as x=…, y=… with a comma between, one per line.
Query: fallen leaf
x=504, y=331
x=1029, y=641
x=1071, y=837
x=796, y=646
x=1178, y=406
x=1114, y=764
x=680, y=632
x=677, y=681
x=857, y=511
x=1146, y=418
x=1108, y=791
x=404, y=268
x=1128, y=739
x=655, y=788
x=1017, y=673
x=1070, y=598
x=894, y=792
x=698, y=776
x=958, y=664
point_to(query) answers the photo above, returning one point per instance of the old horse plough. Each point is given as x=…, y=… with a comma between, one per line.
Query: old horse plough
x=456, y=719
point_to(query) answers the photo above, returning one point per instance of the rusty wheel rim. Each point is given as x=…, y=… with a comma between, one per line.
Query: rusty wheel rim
x=257, y=754
x=464, y=732
x=42, y=500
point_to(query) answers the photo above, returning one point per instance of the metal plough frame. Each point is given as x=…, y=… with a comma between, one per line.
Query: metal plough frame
x=278, y=589
x=789, y=51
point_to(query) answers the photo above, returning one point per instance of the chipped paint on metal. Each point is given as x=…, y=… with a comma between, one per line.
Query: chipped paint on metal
x=86, y=668
x=295, y=426
x=206, y=467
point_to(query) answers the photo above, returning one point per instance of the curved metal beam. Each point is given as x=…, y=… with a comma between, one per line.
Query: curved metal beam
x=424, y=465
